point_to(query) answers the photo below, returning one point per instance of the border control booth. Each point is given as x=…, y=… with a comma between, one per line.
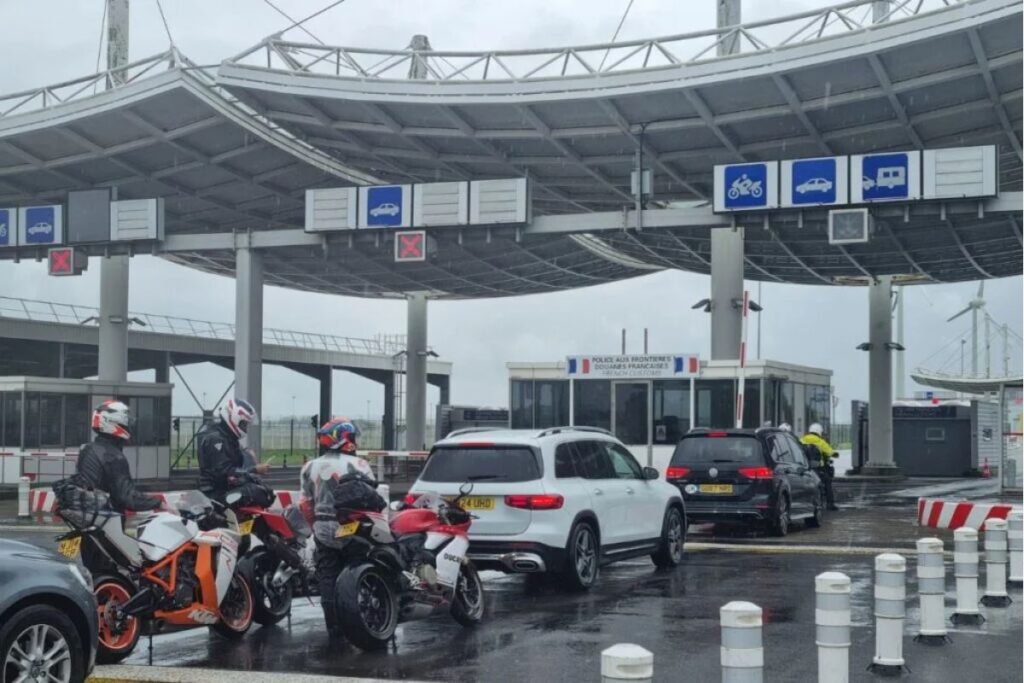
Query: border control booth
x=650, y=401
x=45, y=420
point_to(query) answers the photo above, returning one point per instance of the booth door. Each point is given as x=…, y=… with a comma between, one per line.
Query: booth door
x=630, y=418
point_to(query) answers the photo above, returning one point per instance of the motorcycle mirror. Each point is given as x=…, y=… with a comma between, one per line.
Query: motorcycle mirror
x=395, y=505
x=466, y=488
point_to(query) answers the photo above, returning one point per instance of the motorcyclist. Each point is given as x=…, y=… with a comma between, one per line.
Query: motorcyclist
x=224, y=460
x=335, y=481
x=815, y=437
x=102, y=465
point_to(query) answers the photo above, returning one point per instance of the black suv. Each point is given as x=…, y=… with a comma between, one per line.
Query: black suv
x=747, y=477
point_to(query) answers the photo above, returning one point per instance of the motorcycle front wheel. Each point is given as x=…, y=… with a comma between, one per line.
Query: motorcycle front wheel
x=468, y=601
x=272, y=604
x=117, y=636
x=236, y=610
x=367, y=606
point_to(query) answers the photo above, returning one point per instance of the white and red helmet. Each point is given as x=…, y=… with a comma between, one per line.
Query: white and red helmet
x=113, y=418
x=238, y=415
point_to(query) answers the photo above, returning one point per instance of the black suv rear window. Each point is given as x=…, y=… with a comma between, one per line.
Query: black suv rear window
x=497, y=463
x=708, y=449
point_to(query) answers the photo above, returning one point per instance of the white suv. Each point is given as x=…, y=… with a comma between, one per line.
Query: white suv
x=565, y=500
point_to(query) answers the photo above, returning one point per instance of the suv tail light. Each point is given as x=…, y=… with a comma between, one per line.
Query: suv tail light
x=718, y=435
x=544, y=501
x=756, y=472
x=676, y=472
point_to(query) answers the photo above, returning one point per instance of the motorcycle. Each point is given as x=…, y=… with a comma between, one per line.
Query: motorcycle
x=277, y=564
x=407, y=568
x=157, y=570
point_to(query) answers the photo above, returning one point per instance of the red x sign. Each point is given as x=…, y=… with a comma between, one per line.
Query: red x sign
x=410, y=246
x=61, y=261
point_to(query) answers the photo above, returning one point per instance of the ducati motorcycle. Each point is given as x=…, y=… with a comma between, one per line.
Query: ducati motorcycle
x=157, y=570
x=408, y=568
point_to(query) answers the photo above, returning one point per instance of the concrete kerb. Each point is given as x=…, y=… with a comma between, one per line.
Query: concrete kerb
x=159, y=674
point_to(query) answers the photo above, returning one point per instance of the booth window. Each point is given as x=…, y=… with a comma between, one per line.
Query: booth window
x=10, y=419
x=935, y=434
x=77, y=420
x=715, y=402
x=816, y=404
x=786, y=402
x=752, y=404
x=631, y=419
x=51, y=420
x=539, y=404
x=522, y=404
x=593, y=403
x=30, y=439
x=671, y=410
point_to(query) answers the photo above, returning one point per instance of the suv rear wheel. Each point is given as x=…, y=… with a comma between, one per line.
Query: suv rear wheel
x=780, y=525
x=583, y=556
x=673, y=537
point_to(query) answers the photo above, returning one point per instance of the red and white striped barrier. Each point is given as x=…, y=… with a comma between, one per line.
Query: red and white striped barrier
x=953, y=514
x=44, y=501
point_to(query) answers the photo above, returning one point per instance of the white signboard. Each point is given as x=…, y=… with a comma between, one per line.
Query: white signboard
x=499, y=201
x=440, y=204
x=137, y=219
x=960, y=172
x=651, y=366
x=331, y=209
x=747, y=187
x=814, y=182
x=885, y=177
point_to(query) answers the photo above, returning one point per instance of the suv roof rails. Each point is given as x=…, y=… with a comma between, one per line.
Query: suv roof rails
x=570, y=428
x=471, y=430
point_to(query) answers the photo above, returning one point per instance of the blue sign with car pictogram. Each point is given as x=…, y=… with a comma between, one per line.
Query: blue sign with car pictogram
x=814, y=182
x=384, y=206
x=40, y=225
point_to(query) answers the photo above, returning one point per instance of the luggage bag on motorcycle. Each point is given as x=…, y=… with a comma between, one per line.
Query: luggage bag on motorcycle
x=78, y=504
x=357, y=493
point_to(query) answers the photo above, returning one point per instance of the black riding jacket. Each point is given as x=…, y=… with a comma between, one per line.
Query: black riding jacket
x=221, y=459
x=102, y=466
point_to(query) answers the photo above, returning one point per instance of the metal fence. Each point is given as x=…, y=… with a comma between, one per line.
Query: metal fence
x=49, y=311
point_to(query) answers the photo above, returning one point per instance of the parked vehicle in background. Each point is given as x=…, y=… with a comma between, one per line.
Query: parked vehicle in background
x=48, y=622
x=746, y=477
x=564, y=500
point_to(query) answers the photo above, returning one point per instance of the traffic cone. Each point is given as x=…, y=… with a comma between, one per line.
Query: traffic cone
x=986, y=471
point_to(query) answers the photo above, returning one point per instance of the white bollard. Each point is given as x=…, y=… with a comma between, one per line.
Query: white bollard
x=965, y=568
x=832, y=618
x=627, y=662
x=742, y=650
x=931, y=587
x=890, y=610
x=1015, y=541
x=995, y=564
x=24, y=485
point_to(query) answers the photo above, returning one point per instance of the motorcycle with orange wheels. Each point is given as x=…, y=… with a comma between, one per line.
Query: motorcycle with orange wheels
x=164, y=570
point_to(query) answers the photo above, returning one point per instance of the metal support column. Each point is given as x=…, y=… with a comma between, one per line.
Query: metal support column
x=726, y=290
x=901, y=372
x=163, y=368
x=880, y=455
x=326, y=377
x=249, y=332
x=113, y=334
x=729, y=14
x=416, y=372
x=388, y=428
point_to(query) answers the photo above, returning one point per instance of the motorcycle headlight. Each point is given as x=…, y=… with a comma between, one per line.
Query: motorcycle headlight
x=82, y=574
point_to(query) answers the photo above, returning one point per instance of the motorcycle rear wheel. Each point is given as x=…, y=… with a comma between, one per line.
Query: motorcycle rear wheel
x=468, y=601
x=367, y=606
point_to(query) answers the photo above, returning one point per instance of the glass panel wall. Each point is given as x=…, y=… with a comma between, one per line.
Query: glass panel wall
x=786, y=413
x=817, y=405
x=716, y=403
x=10, y=419
x=631, y=419
x=521, y=414
x=671, y=410
x=752, y=404
x=592, y=403
x=538, y=404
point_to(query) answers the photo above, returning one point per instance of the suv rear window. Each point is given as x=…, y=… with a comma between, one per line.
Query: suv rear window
x=737, y=449
x=498, y=463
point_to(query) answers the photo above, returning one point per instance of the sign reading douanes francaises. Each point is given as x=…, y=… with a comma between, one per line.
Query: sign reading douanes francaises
x=633, y=367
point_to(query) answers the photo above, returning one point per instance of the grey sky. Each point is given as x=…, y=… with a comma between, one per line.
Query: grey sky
x=804, y=324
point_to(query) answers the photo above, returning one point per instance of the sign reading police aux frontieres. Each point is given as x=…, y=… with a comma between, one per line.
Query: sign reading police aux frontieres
x=633, y=367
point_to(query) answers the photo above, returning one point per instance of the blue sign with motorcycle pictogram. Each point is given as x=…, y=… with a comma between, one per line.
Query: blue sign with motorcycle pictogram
x=741, y=187
x=7, y=235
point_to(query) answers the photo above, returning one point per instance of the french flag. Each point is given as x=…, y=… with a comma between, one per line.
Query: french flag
x=579, y=366
x=687, y=364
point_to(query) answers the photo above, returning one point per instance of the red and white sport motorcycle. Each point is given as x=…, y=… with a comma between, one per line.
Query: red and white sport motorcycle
x=407, y=568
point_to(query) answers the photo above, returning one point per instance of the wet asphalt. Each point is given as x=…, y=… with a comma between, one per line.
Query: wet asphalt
x=536, y=631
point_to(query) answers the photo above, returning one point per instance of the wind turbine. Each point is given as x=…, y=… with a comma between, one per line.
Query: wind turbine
x=974, y=306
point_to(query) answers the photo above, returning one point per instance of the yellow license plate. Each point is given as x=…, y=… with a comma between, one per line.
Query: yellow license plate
x=477, y=503
x=245, y=528
x=346, y=530
x=716, y=488
x=70, y=548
